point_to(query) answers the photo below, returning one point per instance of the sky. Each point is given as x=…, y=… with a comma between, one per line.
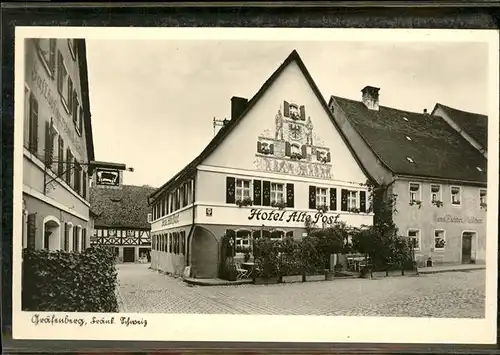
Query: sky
x=153, y=101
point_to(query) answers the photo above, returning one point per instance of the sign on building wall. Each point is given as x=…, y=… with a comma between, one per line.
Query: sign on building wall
x=107, y=177
x=294, y=148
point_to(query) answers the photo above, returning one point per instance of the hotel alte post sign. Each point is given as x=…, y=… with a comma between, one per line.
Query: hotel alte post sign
x=259, y=214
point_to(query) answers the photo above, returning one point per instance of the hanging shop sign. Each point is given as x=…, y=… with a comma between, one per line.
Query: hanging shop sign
x=107, y=177
x=259, y=214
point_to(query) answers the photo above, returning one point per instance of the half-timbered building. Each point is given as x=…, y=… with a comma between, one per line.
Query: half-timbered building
x=280, y=161
x=121, y=220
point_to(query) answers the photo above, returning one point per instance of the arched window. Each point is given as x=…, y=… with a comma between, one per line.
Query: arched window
x=51, y=233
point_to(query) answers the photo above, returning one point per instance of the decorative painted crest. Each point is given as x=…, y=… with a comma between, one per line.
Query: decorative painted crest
x=294, y=148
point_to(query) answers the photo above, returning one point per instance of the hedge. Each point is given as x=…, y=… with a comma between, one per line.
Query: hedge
x=62, y=281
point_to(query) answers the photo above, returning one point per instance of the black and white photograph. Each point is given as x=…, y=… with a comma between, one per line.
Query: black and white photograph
x=171, y=183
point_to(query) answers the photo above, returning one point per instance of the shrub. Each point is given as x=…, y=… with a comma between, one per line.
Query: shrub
x=266, y=256
x=290, y=263
x=62, y=281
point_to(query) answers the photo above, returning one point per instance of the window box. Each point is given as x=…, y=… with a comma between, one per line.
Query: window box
x=416, y=203
x=354, y=210
x=483, y=206
x=482, y=199
x=279, y=204
x=437, y=203
x=322, y=208
x=296, y=156
x=244, y=202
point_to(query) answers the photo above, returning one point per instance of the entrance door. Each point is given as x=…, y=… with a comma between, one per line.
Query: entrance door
x=466, y=248
x=128, y=254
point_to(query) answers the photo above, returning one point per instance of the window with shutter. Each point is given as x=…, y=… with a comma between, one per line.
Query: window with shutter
x=343, y=201
x=75, y=239
x=362, y=201
x=31, y=233
x=33, y=126
x=304, y=151
x=84, y=239
x=230, y=189
x=84, y=185
x=48, y=145
x=266, y=193
x=259, y=147
x=288, y=149
x=271, y=148
x=333, y=199
x=290, y=195
x=80, y=121
x=66, y=237
x=312, y=197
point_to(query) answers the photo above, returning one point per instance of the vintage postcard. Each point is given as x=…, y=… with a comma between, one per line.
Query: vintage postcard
x=293, y=185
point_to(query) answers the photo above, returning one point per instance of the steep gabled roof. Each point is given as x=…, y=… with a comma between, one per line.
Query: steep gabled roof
x=436, y=149
x=223, y=132
x=124, y=207
x=474, y=124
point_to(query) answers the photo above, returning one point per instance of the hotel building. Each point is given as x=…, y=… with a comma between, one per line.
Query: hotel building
x=436, y=174
x=280, y=160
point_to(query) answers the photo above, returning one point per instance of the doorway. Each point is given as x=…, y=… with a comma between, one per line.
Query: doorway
x=128, y=254
x=467, y=240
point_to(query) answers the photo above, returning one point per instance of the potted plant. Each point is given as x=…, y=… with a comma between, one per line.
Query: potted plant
x=266, y=261
x=289, y=261
x=437, y=203
x=322, y=208
x=278, y=204
x=483, y=205
x=354, y=210
x=416, y=203
x=296, y=156
x=247, y=201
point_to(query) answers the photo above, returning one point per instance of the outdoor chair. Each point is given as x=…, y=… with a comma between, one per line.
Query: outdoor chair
x=240, y=272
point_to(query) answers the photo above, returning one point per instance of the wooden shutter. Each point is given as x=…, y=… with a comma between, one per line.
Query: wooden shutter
x=75, y=239
x=333, y=199
x=48, y=145
x=259, y=147
x=266, y=193
x=271, y=148
x=312, y=197
x=257, y=193
x=289, y=196
x=31, y=234
x=318, y=155
x=328, y=157
x=362, y=201
x=68, y=166
x=230, y=190
x=84, y=239
x=66, y=237
x=302, y=113
x=80, y=120
x=343, y=201
x=304, y=151
x=52, y=55
x=231, y=234
x=60, y=157
x=286, y=109
x=33, y=134
x=84, y=185
x=288, y=149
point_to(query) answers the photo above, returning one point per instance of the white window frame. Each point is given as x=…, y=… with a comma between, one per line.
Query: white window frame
x=283, y=235
x=320, y=197
x=485, y=196
x=434, y=239
x=352, y=195
x=439, y=194
x=238, y=239
x=459, y=196
x=418, y=193
x=239, y=188
x=275, y=193
x=419, y=236
x=295, y=148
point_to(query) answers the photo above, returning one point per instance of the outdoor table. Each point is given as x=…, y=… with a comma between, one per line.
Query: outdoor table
x=249, y=266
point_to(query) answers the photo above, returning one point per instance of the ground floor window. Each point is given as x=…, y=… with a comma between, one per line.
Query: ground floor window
x=242, y=241
x=414, y=236
x=51, y=233
x=439, y=240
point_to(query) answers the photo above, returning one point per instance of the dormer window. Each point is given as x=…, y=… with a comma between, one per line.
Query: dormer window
x=406, y=119
x=410, y=160
x=479, y=169
x=408, y=138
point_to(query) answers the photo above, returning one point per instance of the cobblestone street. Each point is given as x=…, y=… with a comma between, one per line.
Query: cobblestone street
x=451, y=294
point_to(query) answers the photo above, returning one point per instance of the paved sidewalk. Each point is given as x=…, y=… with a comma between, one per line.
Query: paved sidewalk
x=451, y=268
x=450, y=295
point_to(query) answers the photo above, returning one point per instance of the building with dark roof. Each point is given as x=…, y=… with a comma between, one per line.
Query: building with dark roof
x=279, y=161
x=436, y=175
x=121, y=220
x=472, y=126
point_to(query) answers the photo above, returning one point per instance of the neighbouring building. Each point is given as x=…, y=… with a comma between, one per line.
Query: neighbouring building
x=58, y=150
x=472, y=126
x=437, y=178
x=279, y=161
x=121, y=220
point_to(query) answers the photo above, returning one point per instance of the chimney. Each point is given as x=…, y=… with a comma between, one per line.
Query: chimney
x=425, y=111
x=238, y=105
x=370, y=97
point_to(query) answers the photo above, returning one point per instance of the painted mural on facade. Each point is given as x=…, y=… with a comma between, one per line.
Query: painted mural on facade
x=293, y=148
